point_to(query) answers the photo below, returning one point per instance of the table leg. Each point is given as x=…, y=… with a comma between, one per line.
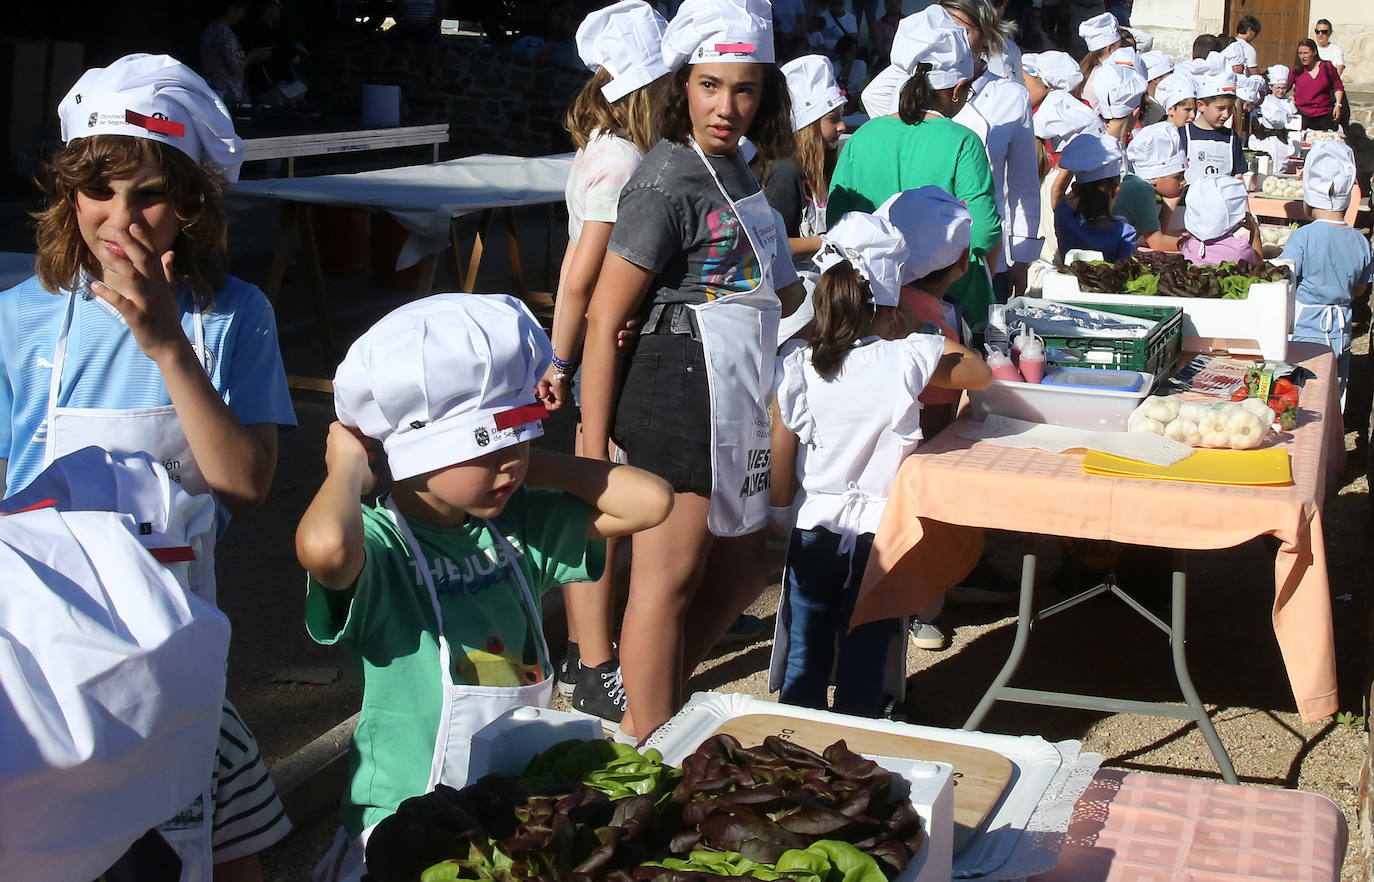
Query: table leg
x=455, y=253
x=478, y=246
x=429, y=266
x=319, y=294
x=517, y=266
x=1178, y=647
x=288, y=234
x=1025, y=620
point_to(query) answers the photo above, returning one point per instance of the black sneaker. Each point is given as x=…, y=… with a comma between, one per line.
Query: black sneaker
x=566, y=675
x=601, y=693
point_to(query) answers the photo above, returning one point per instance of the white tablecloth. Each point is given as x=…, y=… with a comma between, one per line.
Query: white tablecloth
x=424, y=198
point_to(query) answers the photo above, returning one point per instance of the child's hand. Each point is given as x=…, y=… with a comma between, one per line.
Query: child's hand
x=348, y=448
x=141, y=285
x=553, y=390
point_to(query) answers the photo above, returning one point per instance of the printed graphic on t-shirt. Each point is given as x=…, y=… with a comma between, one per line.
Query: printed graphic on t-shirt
x=474, y=574
x=495, y=665
x=731, y=267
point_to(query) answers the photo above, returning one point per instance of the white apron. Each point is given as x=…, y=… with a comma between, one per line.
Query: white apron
x=1207, y=157
x=153, y=430
x=739, y=337
x=466, y=709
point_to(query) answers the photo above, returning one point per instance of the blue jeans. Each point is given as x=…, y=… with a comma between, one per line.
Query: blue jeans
x=821, y=586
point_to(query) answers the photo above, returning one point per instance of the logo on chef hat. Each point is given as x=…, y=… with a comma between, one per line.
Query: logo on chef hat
x=481, y=436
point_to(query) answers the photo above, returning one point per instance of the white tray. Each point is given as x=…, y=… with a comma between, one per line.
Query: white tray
x=1257, y=325
x=1076, y=407
x=1035, y=762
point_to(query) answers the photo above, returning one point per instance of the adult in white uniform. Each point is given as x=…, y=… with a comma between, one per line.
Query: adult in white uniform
x=697, y=253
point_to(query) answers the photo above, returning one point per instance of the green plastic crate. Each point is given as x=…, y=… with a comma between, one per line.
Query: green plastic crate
x=1156, y=353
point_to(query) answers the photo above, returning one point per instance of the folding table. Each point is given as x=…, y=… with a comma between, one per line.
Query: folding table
x=425, y=199
x=289, y=147
x=952, y=488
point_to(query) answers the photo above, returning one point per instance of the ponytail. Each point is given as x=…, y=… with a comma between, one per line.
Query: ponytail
x=843, y=315
x=917, y=96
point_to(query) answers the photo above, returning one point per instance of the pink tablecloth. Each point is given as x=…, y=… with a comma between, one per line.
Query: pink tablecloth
x=1135, y=827
x=931, y=533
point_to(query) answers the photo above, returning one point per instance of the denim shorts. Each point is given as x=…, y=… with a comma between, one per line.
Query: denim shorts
x=663, y=418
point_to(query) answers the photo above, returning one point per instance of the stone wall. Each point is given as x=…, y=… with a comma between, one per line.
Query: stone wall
x=493, y=103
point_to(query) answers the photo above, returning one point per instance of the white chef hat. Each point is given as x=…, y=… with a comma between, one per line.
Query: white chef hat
x=1274, y=112
x=1216, y=205
x=1093, y=156
x=1157, y=63
x=1250, y=88
x=1118, y=90
x=1129, y=58
x=445, y=379
x=1217, y=85
x=1202, y=67
x=1057, y=70
x=1143, y=41
x=158, y=98
x=1061, y=116
x=1100, y=31
x=626, y=39
x=936, y=226
x=1156, y=151
x=1174, y=89
x=811, y=83
x=719, y=30
x=1278, y=73
x=932, y=37
x=1329, y=175
x=873, y=246
x=1234, y=54
x=879, y=97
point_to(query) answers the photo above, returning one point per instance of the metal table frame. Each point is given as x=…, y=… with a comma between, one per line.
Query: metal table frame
x=289, y=147
x=1026, y=619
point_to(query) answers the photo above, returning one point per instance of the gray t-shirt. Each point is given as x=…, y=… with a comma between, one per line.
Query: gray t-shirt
x=673, y=219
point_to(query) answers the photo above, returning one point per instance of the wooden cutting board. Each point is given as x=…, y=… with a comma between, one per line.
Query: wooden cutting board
x=980, y=776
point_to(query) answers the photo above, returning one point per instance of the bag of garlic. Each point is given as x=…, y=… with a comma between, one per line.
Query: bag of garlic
x=1235, y=425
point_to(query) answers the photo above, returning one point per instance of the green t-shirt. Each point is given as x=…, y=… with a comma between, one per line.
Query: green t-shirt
x=1135, y=203
x=886, y=156
x=386, y=622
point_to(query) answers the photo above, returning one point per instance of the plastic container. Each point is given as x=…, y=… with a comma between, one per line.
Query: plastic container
x=1257, y=325
x=1155, y=353
x=1119, y=381
x=505, y=745
x=1076, y=407
x=1032, y=363
x=1001, y=366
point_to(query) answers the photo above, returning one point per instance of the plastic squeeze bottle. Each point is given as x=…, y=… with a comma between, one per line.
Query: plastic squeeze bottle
x=1001, y=366
x=1033, y=359
x=1017, y=341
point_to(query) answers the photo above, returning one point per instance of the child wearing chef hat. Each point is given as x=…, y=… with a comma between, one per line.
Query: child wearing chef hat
x=1097, y=164
x=934, y=64
x=1280, y=80
x=1158, y=65
x=1043, y=72
x=434, y=589
x=1119, y=92
x=1217, y=208
x=1249, y=90
x=1332, y=261
x=1123, y=59
x=854, y=425
x=1213, y=147
x=148, y=344
x=797, y=186
x=1269, y=129
x=1177, y=94
x=1151, y=192
x=695, y=244
x=1102, y=35
x=1058, y=119
x=612, y=125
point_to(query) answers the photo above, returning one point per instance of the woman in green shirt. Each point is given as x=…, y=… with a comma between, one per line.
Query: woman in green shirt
x=919, y=144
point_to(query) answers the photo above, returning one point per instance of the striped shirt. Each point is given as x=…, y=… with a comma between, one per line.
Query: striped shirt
x=248, y=815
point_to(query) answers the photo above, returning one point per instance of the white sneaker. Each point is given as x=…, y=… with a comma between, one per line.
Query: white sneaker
x=925, y=635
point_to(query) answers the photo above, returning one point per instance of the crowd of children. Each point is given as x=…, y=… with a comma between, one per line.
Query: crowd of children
x=746, y=342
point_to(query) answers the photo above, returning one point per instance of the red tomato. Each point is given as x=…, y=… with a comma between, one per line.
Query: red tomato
x=1240, y=394
x=1284, y=387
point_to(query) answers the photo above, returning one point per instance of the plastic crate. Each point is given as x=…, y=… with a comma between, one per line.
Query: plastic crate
x=1156, y=353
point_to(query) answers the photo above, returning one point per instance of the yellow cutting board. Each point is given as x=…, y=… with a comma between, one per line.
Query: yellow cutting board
x=1266, y=467
x=980, y=776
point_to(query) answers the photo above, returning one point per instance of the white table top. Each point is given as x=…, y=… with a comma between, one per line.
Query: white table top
x=424, y=198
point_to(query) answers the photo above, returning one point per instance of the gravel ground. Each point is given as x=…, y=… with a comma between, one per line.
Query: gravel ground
x=291, y=690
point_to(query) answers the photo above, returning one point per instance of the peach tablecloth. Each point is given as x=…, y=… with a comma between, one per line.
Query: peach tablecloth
x=1287, y=210
x=931, y=534
x=1136, y=827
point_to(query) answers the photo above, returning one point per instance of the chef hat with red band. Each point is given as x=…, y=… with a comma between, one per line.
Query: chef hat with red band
x=158, y=98
x=705, y=31
x=445, y=379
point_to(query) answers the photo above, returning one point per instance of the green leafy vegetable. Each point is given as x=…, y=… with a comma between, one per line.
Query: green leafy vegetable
x=1168, y=274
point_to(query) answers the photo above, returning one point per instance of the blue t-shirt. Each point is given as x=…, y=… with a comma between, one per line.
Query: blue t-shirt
x=106, y=369
x=1330, y=260
x=1115, y=241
